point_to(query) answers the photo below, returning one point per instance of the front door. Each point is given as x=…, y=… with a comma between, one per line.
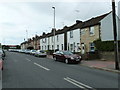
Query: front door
x=83, y=48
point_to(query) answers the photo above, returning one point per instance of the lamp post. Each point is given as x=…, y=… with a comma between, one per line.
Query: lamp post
x=54, y=27
x=115, y=36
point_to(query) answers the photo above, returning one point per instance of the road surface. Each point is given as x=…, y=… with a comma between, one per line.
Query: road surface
x=26, y=71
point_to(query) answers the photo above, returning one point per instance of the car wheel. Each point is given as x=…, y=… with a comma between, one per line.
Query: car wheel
x=66, y=61
x=55, y=58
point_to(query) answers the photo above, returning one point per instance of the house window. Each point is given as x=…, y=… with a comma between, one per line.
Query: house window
x=57, y=38
x=62, y=46
x=44, y=40
x=82, y=31
x=52, y=47
x=42, y=47
x=71, y=47
x=45, y=47
x=78, y=46
x=71, y=34
x=92, y=31
x=48, y=47
x=58, y=47
x=92, y=47
x=68, y=46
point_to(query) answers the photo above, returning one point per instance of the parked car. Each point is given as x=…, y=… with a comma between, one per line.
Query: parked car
x=27, y=51
x=67, y=57
x=40, y=53
x=32, y=52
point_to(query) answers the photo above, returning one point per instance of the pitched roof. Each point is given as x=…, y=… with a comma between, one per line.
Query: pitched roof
x=77, y=25
x=94, y=21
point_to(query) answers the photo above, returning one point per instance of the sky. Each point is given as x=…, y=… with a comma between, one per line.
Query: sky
x=36, y=16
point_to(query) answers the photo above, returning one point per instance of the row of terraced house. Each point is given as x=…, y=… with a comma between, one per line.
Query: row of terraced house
x=78, y=37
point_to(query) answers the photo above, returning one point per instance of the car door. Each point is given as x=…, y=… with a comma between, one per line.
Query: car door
x=61, y=56
x=57, y=55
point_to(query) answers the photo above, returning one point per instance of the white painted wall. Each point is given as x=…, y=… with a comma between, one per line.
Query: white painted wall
x=60, y=41
x=75, y=39
x=107, y=28
x=43, y=44
x=50, y=42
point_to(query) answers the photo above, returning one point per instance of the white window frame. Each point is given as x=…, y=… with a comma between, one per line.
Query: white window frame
x=92, y=45
x=57, y=38
x=82, y=31
x=57, y=46
x=92, y=31
x=71, y=34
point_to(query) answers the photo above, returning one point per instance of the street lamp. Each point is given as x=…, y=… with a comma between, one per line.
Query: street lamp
x=115, y=36
x=54, y=27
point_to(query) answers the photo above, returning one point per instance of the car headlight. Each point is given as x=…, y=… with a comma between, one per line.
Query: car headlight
x=71, y=58
x=80, y=57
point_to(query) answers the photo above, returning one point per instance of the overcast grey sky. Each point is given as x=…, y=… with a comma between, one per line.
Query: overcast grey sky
x=37, y=17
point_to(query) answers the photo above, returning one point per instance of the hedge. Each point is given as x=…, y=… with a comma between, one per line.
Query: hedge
x=105, y=45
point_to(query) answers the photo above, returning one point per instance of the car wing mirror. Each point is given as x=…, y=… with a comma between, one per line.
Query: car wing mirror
x=62, y=54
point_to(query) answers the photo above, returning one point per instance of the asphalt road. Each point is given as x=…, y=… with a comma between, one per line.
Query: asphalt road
x=25, y=71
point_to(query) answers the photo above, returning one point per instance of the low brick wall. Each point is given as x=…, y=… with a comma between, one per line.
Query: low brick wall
x=91, y=56
x=100, y=56
x=107, y=55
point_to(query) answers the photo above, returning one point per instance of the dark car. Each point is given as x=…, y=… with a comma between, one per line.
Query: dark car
x=67, y=57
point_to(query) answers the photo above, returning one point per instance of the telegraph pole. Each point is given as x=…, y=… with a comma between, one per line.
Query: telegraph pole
x=115, y=36
x=54, y=27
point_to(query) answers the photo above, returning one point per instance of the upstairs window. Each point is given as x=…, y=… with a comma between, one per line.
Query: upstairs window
x=71, y=34
x=92, y=31
x=57, y=38
x=44, y=40
x=82, y=31
x=62, y=46
x=58, y=47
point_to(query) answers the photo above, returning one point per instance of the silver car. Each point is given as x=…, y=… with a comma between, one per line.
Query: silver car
x=40, y=53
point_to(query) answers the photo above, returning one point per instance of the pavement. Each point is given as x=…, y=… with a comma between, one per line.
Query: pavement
x=106, y=65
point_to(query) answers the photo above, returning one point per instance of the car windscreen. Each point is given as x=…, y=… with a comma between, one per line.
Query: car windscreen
x=42, y=51
x=67, y=53
x=33, y=50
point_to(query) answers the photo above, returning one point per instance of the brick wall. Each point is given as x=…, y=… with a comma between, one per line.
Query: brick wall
x=108, y=55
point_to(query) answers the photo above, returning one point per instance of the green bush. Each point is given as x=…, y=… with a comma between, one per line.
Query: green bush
x=105, y=45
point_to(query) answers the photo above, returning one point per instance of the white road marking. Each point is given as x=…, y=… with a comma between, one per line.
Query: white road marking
x=42, y=66
x=79, y=84
x=73, y=83
x=28, y=59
